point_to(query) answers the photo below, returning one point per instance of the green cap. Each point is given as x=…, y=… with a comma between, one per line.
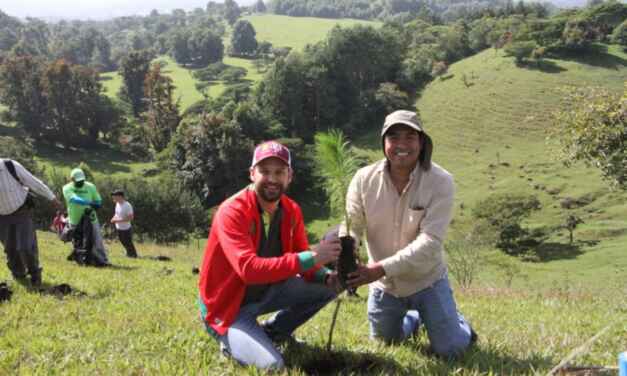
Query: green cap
x=77, y=174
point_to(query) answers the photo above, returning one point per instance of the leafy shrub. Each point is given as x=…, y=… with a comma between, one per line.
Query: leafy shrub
x=520, y=50
x=210, y=73
x=505, y=213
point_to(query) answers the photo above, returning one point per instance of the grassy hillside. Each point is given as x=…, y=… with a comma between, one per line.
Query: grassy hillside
x=140, y=317
x=492, y=136
x=297, y=32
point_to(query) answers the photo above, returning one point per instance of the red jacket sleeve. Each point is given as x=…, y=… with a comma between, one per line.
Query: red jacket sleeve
x=239, y=249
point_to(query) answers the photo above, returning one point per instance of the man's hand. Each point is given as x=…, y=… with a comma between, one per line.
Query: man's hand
x=57, y=204
x=332, y=281
x=365, y=274
x=326, y=251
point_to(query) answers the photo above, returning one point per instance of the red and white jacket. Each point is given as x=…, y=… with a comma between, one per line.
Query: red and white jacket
x=231, y=263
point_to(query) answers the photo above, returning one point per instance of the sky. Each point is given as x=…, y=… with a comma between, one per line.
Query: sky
x=102, y=9
x=96, y=9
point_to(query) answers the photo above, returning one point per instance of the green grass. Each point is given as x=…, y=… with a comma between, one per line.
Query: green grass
x=297, y=32
x=141, y=318
x=184, y=81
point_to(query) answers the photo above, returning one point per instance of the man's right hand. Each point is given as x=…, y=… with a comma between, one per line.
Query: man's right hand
x=326, y=251
x=57, y=204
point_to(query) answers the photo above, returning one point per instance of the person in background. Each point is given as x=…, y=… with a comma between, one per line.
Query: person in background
x=80, y=195
x=58, y=222
x=17, y=232
x=122, y=221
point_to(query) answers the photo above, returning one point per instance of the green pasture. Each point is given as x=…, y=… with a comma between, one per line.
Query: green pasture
x=297, y=32
x=140, y=317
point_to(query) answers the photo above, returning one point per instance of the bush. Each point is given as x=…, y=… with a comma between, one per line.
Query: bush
x=505, y=213
x=232, y=74
x=520, y=50
x=164, y=211
x=210, y=73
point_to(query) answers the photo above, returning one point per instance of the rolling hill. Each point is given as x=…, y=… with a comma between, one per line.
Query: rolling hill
x=492, y=135
x=281, y=31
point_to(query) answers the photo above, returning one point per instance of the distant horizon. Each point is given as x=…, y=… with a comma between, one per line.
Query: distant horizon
x=97, y=10
x=92, y=10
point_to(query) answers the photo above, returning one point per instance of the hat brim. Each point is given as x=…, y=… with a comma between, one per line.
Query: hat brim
x=268, y=157
x=413, y=126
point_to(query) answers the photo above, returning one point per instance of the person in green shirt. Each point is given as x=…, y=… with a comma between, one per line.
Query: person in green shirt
x=80, y=195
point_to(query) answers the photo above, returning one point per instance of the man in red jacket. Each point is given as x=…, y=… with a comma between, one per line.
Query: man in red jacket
x=258, y=261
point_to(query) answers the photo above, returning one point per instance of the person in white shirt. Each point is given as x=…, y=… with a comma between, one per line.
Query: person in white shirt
x=122, y=220
x=17, y=232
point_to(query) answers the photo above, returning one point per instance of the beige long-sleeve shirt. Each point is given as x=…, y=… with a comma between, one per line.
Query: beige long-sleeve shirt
x=403, y=231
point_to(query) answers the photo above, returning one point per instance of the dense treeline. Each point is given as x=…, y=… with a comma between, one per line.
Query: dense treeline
x=404, y=10
x=348, y=81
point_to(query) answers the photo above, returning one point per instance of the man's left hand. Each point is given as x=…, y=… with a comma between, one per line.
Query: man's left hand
x=365, y=274
x=332, y=281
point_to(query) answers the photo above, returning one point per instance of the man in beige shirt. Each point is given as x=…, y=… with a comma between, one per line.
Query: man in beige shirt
x=403, y=206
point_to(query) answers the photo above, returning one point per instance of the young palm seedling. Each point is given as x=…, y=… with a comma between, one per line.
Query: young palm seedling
x=336, y=164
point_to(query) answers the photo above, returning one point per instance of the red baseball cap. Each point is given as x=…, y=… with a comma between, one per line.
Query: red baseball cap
x=270, y=149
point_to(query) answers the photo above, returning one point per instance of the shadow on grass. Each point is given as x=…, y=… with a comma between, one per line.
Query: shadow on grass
x=99, y=158
x=6, y=130
x=121, y=267
x=317, y=361
x=479, y=359
x=551, y=251
x=59, y=291
x=485, y=359
x=596, y=56
x=544, y=66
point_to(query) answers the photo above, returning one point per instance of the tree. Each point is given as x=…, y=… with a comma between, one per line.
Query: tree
x=619, y=36
x=259, y=7
x=73, y=95
x=243, y=40
x=336, y=164
x=22, y=93
x=205, y=48
x=211, y=156
x=282, y=93
x=231, y=11
x=179, y=47
x=570, y=224
x=162, y=114
x=133, y=69
x=593, y=128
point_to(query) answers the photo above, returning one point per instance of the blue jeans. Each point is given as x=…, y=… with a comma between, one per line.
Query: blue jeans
x=296, y=301
x=394, y=319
